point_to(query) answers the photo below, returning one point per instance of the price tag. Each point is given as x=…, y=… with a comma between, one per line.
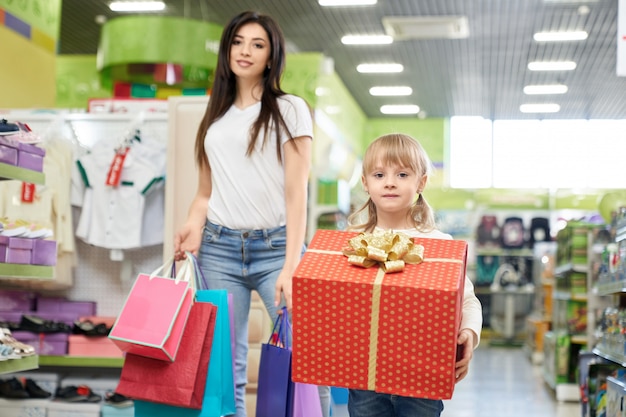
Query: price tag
x=28, y=192
x=115, y=170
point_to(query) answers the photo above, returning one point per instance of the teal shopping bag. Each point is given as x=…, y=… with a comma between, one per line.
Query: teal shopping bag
x=219, y=393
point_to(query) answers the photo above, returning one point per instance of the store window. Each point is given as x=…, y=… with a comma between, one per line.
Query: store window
x=537, y=154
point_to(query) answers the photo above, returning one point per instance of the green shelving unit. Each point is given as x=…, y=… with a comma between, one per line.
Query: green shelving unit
x=17, y=365
x=12, y=172
x=81, y=361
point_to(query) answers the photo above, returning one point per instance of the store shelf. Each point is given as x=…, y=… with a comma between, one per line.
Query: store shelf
x=570, y=267
x=504, y=252
x=610, y=288
x=18, y=365
x=565, y=296
x=621, y=360
x=11, y=172
x=26, y=271
x=81, y=361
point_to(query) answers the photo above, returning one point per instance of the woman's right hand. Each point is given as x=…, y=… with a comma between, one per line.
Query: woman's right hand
x=187, y=239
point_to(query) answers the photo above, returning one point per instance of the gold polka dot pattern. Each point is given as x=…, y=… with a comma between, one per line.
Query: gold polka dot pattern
x=420, y=312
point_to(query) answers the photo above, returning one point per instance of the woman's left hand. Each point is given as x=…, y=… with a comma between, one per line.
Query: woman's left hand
x=465, y=342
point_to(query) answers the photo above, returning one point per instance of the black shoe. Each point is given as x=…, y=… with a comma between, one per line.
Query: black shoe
x=88, y=328
x=12, y=388
x=35, y=391
x=118, y=400
x=7, y=128
x=38, y=325
x=70, y=394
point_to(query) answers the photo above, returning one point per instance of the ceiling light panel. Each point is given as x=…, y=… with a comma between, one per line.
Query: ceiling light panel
x=545, y=89
x=366, y=40
x=137, y=6
x=426, y=27
x=400, y=109
x=379, y=68
x=338, y=3
x=540, y=108
x=391, y=91
x=552, y=66
x=560, y=36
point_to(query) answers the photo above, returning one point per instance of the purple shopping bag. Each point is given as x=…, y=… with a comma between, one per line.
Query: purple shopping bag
x=275, y=391
x=306, y=401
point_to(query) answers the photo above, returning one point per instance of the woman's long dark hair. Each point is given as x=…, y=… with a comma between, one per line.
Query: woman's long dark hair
x=224, y=87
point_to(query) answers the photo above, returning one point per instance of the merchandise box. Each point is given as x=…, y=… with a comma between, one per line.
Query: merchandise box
x=44, y=252
x=66, y=409
x=11, y=300
x=24, y=408
x=16, y=250
x=30, y=157
x=8, y=152
x=58, y=304
x=54, y=344
x=93, y=346
x=110, y=411
x=406, y=323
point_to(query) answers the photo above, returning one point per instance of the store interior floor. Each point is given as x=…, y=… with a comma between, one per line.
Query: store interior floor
x=504, y=382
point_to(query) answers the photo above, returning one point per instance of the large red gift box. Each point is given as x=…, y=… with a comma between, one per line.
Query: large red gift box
x=360, y=328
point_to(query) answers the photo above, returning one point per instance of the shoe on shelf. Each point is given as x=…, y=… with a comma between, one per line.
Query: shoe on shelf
x=13, y=389
x=7, y=128
x=7, y=352
x=38, y=325
x=81, y=393
x=22, y=349
x=117, y=400
x=34, y=390
x=89, y=328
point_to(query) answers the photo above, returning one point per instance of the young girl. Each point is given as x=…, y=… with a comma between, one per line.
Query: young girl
x=247, y=221
x=395, y=171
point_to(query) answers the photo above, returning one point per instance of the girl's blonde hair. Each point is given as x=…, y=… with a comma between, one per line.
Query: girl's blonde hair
x=403, y=150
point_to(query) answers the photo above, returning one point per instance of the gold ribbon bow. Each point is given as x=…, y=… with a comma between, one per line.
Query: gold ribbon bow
x=390, y=250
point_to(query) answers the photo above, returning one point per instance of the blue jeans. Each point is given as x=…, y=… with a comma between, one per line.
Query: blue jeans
x=374, y=404
x=241, y=261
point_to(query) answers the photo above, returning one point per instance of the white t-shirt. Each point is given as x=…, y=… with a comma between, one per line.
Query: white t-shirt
x=249, y=192
x=472, y=317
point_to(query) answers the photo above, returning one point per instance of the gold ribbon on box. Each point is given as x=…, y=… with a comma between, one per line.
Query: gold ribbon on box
x=391, y=251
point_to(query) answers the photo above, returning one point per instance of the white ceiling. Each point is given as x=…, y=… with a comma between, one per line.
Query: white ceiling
x=481, y=75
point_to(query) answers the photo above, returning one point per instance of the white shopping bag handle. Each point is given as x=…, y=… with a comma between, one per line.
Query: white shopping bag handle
x=185, y=274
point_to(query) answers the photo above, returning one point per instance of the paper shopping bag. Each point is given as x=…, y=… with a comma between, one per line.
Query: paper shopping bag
x=219, y=393
x=306, y=400
x=275, y=390
x=180, y=383
x=153, y=317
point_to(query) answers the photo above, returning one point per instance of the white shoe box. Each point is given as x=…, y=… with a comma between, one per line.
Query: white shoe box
x=66, y=409
x=23, y=408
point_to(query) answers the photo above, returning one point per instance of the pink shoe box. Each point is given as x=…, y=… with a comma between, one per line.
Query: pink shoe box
x=63, y=305
x=30, y=157
x=93, y=346
x=44, y=252
x=18, y=250
x=8, y=150
x=44, y=343
x=17, y=301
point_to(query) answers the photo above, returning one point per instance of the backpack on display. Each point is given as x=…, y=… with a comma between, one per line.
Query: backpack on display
x=539, y=231
x=512, y=233
x=488, y=232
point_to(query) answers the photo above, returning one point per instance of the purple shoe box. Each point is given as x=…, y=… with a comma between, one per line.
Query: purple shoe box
x=16, y=301
x=18, y=250
x=8, y=151
x=63, y=305
x=30, y=157
x=44, y=252
x=44, y=343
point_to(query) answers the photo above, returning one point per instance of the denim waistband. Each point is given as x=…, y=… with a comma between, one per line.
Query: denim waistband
x=246, y=233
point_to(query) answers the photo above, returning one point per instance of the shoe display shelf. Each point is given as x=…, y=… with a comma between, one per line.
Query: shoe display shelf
x=611, y=287
x=11, y=172
x=575, y=305
x=80, y=361
x=17, y=365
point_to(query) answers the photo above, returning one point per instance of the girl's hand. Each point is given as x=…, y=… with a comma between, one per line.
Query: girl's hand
x=465, y=343
x=187, y=239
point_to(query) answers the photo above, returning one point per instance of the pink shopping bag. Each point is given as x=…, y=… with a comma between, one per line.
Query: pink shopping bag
x=154, y=315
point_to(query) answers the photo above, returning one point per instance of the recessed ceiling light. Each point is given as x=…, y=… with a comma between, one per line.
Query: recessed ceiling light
x=137, y=6
x=551, y=66
x=391, y=91
x=400, y=109
x=580, y=35
x=334, y=3
x=366, y=40
x=545, y=89
x=540, y=108
x=379, y=68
